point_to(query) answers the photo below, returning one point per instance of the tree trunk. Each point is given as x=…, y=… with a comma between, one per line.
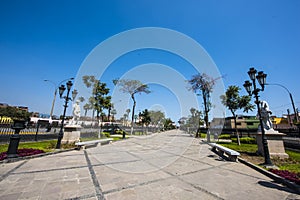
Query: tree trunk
x=109, y=114
x=206, y=115
x=236, y=130
x=198, y=129
x=132, y=116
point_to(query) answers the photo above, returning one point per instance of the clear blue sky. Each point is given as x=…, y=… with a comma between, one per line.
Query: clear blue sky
x=50, y=40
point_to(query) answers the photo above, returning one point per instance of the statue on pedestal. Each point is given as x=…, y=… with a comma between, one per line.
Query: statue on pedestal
x=273, y=137
x=266, y=115
x=76, y=113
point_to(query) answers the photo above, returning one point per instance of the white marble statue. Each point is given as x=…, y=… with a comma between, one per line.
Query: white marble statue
x=266, y=115
x=76, y=112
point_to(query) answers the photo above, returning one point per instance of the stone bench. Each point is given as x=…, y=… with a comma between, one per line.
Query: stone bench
x=92, y=143
x=224, y=151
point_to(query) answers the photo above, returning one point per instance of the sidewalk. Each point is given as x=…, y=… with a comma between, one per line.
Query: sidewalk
x=169, y=165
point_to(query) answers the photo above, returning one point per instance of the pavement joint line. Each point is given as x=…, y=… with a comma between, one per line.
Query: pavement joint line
x=81, y=197
x=135, y=185
x=98, y=189
x=49, y=170
x=178, y=177
x=11, y=171
x=180, y=155
x=113, y=163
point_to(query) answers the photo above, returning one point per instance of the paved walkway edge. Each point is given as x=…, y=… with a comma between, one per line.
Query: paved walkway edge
x=10, y=160
x=271, y=175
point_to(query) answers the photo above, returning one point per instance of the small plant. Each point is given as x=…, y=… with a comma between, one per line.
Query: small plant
x=291, y=176
x=121, y=132
x=22, y=153
x=106, y=134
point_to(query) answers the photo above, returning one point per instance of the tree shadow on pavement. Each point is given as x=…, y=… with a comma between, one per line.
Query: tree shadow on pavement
x=276, y=186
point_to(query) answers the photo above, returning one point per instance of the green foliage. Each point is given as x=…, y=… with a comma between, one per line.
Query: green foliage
x=245, y=140
x=145, y=117
x=47, y=146
x=14, y=113
x=168, y=124
x=156, y=117
x=293, y=155
x=132, y=87
x=99, y=99
x=106, y=134
x=120, y=132
x=233, y=101
x=249, y=148
x=225, y=136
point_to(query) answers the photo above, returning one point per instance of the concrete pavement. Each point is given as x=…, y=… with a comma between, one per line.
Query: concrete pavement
x=169, y=165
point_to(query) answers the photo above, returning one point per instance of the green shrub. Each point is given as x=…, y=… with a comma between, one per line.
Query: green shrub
x=225, y=136
x=106, y=134
x=121, y=132
x=245, y=140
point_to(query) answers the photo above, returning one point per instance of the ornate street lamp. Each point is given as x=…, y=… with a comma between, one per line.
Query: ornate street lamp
x=261, y=78
x=62, y=88
x=55, y=92
x=74, y=94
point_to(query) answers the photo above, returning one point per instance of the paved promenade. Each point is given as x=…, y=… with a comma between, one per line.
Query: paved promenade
x=169, y=165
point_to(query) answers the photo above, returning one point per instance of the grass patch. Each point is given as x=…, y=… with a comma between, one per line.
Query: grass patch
x=244, y=148
x=46, y=146
x=291, y=164
x=248, y=152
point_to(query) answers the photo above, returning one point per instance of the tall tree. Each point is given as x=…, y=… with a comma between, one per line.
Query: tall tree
x=204, y=84
x=168, y=124
x=100, y=99
x=132, y=87
x=145, y=118
x=14, y=113
x=233, y=101
x=156, y=117
x=86, y=108
x=195, y=120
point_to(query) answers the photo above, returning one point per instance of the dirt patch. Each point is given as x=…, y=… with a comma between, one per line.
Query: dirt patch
x=253, y=158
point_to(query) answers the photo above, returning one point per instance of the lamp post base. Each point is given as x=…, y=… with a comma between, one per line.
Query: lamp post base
x=13, y=146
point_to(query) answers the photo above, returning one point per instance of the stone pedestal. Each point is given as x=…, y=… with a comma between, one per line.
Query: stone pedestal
x=275, y=144
x=71, y=134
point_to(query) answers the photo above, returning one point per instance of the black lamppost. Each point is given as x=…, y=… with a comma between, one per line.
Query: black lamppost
x=261, y=78
x=14, y=140
x=62, y=88
x=55, y=92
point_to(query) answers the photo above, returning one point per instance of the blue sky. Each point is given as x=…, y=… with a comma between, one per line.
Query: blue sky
x=51, y=39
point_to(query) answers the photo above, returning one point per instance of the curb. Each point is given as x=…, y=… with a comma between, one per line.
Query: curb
x=271, y=175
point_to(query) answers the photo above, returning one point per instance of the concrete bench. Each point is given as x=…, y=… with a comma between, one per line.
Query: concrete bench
x=92, y=143
x=224, y=151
